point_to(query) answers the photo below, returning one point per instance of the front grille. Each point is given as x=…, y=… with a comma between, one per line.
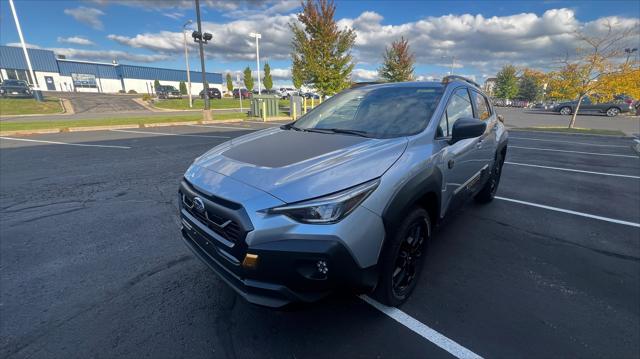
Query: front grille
x=225, y=227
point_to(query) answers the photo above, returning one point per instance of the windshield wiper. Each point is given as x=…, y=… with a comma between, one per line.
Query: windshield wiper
x=290, y=126
x=345, y=131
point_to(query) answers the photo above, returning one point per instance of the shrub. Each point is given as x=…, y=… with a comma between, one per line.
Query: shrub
x=121, y=91
x=133, y=91
x=146, y=97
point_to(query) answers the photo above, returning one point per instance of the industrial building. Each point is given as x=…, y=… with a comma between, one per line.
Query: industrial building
x=55, y=73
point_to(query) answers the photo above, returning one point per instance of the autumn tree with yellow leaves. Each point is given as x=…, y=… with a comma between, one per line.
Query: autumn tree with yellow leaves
x=594, y=69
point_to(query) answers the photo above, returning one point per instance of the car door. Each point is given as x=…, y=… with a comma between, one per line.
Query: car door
x=487, y=143
x=461, y=163
x=587, y=105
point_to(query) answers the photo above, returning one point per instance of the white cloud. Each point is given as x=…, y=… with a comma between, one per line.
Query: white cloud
x=87, y=15
x=28, y=45
x=76, y=40
x=176, y=15
x=362, y=75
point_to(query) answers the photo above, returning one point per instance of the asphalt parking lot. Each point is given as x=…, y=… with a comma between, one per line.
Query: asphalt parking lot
x=93, y=265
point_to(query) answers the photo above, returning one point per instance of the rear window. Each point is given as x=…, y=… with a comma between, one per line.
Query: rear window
x=380, y=112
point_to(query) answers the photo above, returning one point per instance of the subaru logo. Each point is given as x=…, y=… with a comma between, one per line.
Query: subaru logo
x=198, y=204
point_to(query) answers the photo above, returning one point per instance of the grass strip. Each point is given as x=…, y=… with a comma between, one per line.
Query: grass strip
x=29, y=106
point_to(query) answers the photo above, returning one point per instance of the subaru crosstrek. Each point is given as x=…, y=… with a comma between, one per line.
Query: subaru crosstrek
x=347, y=196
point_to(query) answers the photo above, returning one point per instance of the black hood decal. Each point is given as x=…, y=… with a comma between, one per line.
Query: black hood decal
x=287, y=147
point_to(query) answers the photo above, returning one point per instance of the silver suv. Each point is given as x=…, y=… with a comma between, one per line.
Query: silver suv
x=347, y=196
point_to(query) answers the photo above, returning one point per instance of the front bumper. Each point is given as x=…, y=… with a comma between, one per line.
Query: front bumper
x=288, y=257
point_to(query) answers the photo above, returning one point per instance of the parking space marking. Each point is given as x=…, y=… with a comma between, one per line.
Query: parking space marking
x=264, y=123
x=65, y=143
x=572, y=170
x=561, y=141
x=580, y=152
x=225, y=127
x=581, y=214
x=422, y=330
x=167, y=134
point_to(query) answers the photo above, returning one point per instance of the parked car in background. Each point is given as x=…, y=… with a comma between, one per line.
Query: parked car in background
x=611, y=109
x=311, y=95
x=213, y=93
x=347, y=196
x=273, y=92
x=244, y=92
x=287, y=91
x=166, y=92
x=15, y=88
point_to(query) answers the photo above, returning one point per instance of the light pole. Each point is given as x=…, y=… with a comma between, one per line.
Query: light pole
x=37, y=94
x=202, y=38
x=257, y=36
x=629, y=51
x=186, y=59
x=453, y=62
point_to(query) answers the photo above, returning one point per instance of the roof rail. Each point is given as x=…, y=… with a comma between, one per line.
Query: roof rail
x=447, y=79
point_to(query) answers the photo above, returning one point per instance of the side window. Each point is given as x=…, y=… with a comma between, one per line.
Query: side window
x=459, y=107
x=443, y=128
x=483, y=110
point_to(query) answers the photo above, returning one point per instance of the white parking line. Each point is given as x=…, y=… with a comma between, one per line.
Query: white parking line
x=580, y=152
x=264, y=123
x=166, y=134
x=581, y=214
x=64, y=143
x=422, y=330
x=225, y=127
x=560, y=141
x=572, y=170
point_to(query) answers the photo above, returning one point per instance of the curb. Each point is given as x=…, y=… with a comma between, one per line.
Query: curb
x=566, y=133
x=118, y=127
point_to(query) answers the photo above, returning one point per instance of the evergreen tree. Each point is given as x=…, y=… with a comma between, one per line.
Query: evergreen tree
x=248, y=79
x=320, y=49
x=530, y=86
x=156, y=84
x=229, y=83
x=183, y=88
x=267, y=80
x=398, y=62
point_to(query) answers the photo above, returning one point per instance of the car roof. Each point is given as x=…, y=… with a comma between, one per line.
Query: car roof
x=418, y=84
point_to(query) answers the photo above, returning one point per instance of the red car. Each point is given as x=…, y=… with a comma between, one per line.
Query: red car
x=244, y=92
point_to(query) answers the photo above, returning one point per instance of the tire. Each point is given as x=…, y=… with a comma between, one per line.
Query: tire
x=565, y=110
x=613, y=112
x=405, y=256
x=488, y=191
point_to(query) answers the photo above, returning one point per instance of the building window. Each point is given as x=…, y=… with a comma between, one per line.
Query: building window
x=84, y=80
x=24, y=75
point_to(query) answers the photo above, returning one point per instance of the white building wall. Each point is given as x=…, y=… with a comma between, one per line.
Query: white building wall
x=43, y=84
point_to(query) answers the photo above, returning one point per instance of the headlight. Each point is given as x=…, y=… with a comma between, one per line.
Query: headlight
x=328, y=209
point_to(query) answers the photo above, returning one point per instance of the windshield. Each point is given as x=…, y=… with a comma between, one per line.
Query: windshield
x=376, y=112
x=14, y=83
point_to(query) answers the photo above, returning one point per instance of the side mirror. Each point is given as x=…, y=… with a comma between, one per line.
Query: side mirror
x=467, y=128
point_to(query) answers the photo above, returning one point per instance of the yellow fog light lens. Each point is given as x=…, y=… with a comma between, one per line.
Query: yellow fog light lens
x=250, y=260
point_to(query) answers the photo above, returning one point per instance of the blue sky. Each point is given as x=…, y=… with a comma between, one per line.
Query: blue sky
x=482, y=35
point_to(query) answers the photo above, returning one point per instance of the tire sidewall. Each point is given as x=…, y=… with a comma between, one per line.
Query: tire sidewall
x=384, y=290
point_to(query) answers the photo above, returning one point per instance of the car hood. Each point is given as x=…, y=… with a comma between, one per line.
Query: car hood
x=294, y=165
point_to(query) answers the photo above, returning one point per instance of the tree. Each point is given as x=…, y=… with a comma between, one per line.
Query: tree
x=398, y=62
x=183, y=88
x=248, y=79
x=530, y=85
x=507, y=82
x=156, y=84
x=594, y=63
x=320, y=49
x=296, y=76
x=267, y=80
x=229, y=83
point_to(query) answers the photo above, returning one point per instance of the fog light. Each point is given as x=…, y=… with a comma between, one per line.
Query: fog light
x=250, y=260
x=322, y=267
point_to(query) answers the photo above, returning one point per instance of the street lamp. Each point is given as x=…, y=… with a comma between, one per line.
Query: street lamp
x=201, y=39
x=257, y=36
x=36, y=85
x=629, y=51
x=453, y=62
x=186, y=59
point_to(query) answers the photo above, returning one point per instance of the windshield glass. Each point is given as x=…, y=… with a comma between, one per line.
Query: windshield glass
x=377, y=112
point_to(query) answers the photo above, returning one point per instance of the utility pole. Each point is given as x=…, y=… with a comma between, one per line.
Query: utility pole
x=453, y=63
x=207, y=113
x=38, y=95
x=257, y=36
x=186, y=59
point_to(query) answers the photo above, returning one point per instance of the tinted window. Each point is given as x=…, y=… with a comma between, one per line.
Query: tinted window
x=459, y=106
x=380, y=112
x=483, y=111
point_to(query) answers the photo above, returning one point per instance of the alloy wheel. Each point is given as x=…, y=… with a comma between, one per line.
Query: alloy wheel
x=612, y=112
x=409, y=257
